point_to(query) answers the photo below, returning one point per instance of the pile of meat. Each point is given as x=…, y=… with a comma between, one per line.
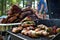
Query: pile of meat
x=28, y=28
x=16, y=14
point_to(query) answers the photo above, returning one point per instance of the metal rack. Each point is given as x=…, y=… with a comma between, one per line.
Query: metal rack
x=19, y=36
x=5, y=27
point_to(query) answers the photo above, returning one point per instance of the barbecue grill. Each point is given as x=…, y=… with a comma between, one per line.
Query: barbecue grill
x=49, y=23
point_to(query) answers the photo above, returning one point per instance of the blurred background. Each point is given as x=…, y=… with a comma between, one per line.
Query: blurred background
x=53, y=6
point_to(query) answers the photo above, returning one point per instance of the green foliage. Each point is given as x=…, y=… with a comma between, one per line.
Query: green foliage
x=13, y=1
x=0, y=13
x=18, y=1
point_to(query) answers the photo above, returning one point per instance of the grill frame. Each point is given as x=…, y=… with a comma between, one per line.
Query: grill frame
x=49, y=22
